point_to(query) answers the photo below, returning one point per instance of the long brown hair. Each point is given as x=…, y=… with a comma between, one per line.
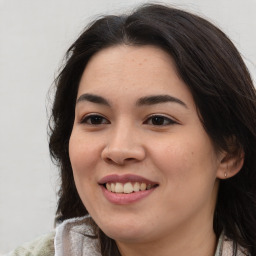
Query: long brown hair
x=222, y=89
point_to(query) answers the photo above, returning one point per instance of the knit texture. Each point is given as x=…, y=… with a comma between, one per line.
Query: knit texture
x=74, y=237
x=42, y=246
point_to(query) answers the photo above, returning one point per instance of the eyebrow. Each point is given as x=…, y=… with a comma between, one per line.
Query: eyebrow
x=148, y=100
x=156, y=99
x=93, y=98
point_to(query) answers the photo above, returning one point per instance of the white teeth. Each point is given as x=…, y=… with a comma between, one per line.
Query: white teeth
x=119, y=188
x=113, y=187
x=136, y=186
x=127, y=187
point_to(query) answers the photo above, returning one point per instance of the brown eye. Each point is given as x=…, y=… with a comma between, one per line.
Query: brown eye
x=95, y=120
x=159, y=120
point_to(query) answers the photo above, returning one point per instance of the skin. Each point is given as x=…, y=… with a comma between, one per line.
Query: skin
x=176, y=218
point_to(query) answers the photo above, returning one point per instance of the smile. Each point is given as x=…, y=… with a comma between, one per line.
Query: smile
x=128, y=187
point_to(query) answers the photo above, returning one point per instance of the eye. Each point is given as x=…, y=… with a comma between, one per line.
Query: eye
x=94, y=120
x=159, y=120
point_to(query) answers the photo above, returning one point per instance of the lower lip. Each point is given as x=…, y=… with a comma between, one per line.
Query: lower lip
x=122, y=198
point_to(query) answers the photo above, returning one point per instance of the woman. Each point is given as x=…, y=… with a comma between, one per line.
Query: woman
x=153, y=128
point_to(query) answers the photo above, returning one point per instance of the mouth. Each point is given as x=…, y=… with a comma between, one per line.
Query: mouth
x=128, y=187
x=127, y=184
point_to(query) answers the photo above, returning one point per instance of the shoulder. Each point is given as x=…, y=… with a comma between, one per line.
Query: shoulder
x=72, y=237
x=42, y=246
x=227, y=246
x=76, y=237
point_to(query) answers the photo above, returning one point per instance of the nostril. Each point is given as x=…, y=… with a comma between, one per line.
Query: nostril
x=113, y=161
x=129, y=159
x=109, y=160
x=119, y=161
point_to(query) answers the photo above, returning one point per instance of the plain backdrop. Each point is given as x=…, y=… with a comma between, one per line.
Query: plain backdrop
x=34, y=36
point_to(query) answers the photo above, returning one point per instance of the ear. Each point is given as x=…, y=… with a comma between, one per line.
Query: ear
x=230, y=165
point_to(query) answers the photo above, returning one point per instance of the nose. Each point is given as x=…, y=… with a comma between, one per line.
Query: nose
x=123, y=147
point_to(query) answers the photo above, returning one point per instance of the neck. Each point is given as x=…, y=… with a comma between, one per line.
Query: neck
x=199, y=243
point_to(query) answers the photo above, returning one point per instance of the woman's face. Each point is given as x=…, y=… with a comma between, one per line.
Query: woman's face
x=143, y=165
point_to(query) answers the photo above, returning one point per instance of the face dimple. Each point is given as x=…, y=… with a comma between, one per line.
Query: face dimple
x=178, y=156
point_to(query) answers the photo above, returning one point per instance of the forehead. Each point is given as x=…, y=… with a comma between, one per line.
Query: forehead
x=131, y=54
x=122, y=58
x=135, y=70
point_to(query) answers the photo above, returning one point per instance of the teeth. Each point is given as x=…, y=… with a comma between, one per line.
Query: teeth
x=143, y=186
x=119, y=188
x=108, y=187
x=149, y=186
x=127, y=187
x=136, y=186
x=113, y=187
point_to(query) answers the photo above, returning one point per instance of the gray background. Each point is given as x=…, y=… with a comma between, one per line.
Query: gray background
x=34, y=36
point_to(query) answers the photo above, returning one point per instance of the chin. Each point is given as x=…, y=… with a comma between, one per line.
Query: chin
x=122, y=235
x=125, y=231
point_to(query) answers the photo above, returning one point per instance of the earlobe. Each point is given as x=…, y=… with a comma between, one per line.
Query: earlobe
x=230, y=165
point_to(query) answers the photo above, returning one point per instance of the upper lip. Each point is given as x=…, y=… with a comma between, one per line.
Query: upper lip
x=125, y=178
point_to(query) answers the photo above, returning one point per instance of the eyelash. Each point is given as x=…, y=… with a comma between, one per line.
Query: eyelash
x=164, y=121
x=95, y=116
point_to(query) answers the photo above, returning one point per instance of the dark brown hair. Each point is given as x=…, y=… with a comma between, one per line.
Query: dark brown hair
x=222, y=89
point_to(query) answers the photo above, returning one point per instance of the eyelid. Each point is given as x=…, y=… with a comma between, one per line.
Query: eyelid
x=90, y=115
x=172, y=120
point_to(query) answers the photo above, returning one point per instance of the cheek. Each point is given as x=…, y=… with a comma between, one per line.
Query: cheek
x=186, y=160
x=84, y=159
x=188, y=175
x=172, y=158
x=83, y=154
